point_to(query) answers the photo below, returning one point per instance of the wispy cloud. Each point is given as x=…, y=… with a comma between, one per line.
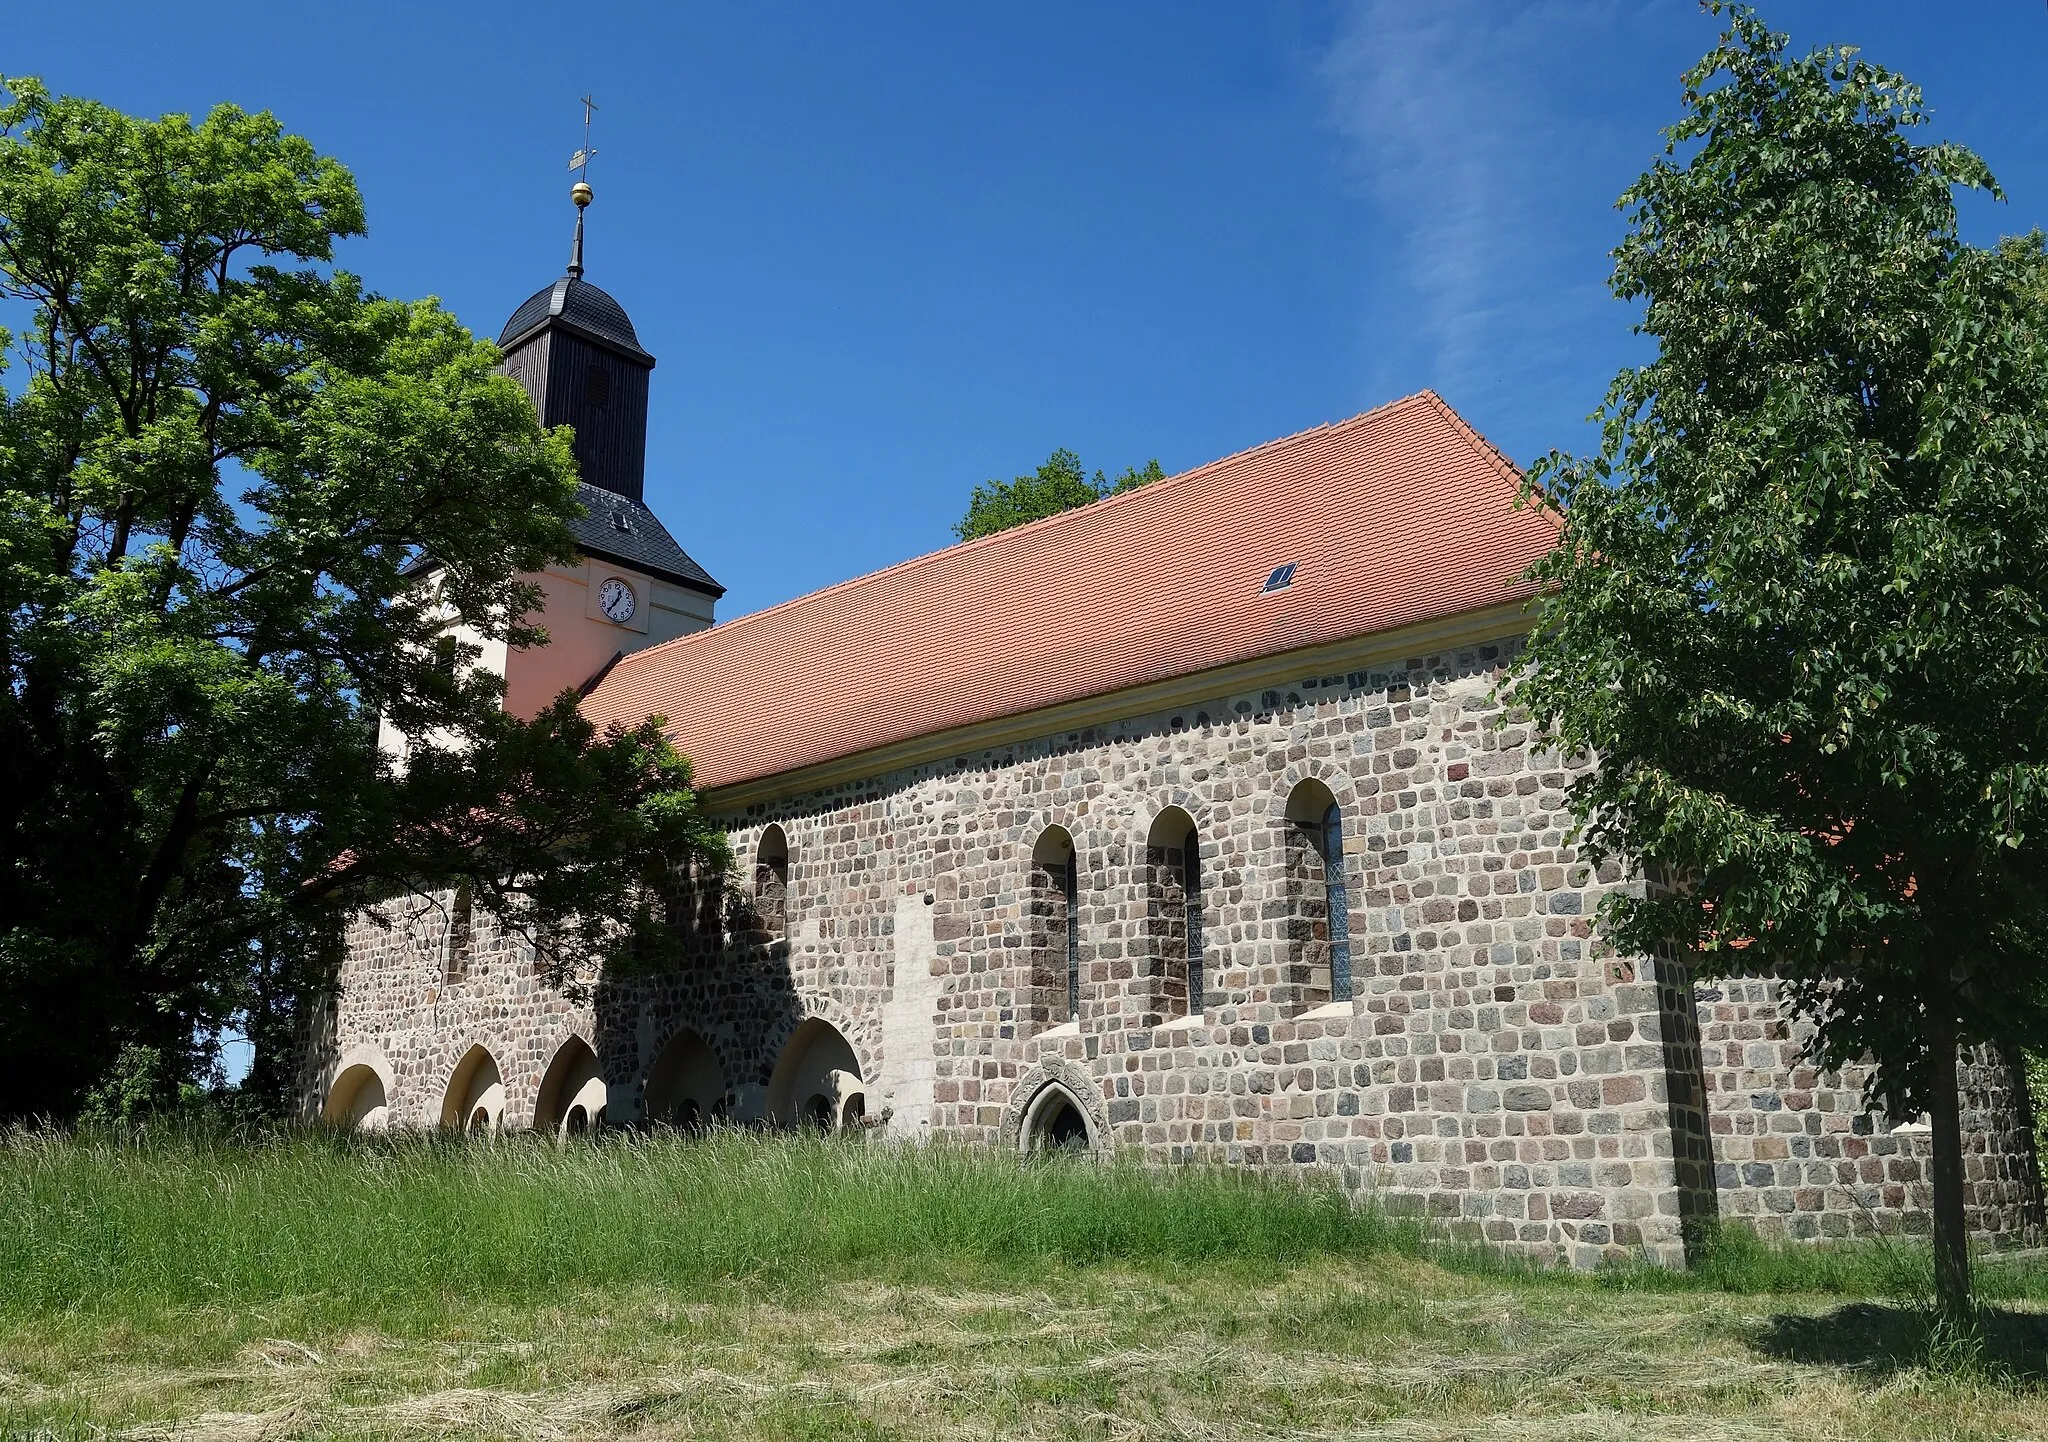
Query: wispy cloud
x=1490, y=141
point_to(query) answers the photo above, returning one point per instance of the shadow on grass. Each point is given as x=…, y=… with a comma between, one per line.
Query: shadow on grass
x=1881, y=1340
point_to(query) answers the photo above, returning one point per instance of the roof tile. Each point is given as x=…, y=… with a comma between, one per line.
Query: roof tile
x=619, y=528
x=1400, y=515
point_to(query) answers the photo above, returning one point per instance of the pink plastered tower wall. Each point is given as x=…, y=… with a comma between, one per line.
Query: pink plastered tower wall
x=581, y=640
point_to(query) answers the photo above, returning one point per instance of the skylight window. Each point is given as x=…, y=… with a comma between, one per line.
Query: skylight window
x=1280, y=580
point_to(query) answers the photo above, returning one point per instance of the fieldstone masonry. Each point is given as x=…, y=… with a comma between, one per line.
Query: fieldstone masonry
x=1492, y=1069
x=1795, y=1157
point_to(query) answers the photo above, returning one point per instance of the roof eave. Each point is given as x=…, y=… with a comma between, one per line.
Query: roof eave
x=584, y=333
x=660, y=573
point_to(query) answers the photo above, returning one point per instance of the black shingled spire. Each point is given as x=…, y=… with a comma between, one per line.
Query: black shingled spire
x=575, y=351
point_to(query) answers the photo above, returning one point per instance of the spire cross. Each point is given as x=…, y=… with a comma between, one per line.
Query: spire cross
x=580, y=191
x=581, y=164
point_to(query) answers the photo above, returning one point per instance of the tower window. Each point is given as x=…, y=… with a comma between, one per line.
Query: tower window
x=1071, y=885
x=597, y=388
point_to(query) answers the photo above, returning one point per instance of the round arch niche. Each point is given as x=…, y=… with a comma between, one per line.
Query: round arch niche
x=817, y=1080
x=357, y=1101
x=572, y=1094
x=475, y=1102
x=686, y=1085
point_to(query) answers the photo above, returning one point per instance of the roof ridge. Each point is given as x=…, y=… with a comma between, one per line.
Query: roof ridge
x=1487, y=449
x=634, y=660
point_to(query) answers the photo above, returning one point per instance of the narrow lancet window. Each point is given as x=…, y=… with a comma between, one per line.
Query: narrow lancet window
x=1338, y=904
x=1053, y=936
x=1072, y=886
x=771, y=883
x=1315, y=932
x=1172, y=982
x=461, y=923
x=1191, y=891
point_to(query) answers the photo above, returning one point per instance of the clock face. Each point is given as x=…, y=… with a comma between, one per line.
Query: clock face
x=615, y=599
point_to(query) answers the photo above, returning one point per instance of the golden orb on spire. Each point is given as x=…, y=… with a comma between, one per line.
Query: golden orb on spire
x=580, y=192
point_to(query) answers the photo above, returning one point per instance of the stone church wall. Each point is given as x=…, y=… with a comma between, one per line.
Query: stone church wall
x=416, y=1000
x=1492, y=1069
x=1795, y=1156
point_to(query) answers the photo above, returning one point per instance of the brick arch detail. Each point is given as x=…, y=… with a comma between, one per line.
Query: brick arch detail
x=369, y=1054
x=1198, y=804
x=582, y=1030
x=812, y=1005
x=715, y=1040
x=1284, y=781
x=498, y=1049
x=1040, y=822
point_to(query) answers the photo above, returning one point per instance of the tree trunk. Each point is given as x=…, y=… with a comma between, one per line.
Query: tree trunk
x=1951, y=1235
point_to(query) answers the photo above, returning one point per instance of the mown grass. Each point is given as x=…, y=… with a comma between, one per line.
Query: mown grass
x=195, y=1283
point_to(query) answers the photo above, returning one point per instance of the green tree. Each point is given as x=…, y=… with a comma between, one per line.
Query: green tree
x=1058, y=485
x=222, y=466
x=1799, y=609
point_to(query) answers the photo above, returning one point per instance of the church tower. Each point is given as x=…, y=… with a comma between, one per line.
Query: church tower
x=575, y=351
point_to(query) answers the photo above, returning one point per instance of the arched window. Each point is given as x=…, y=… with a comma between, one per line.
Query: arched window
x=771, y=882
x=1053, y=913
x=1173, y=859
x=1317, y=965
x=1338, y=902
x=1055, y=1123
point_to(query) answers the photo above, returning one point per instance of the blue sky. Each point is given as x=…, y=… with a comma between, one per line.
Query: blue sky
x=886, y=251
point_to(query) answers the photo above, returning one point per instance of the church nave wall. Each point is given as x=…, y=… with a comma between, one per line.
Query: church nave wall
x=909, y=964
x=1488, y=1069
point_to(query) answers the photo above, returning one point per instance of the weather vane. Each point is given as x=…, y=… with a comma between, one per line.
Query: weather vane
x=580, y=191
x=580, y=161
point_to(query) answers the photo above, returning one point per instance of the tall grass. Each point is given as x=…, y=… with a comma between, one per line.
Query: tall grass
x=190, y=1217
x=171, y=1218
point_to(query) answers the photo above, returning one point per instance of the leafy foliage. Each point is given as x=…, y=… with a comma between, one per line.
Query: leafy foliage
x=1058, y=485
x=1799, y=608
x=222, y=470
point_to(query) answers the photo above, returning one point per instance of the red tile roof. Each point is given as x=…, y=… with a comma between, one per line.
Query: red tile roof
x=1400, y=515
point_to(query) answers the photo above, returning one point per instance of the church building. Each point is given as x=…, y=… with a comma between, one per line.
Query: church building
x=1184, y=825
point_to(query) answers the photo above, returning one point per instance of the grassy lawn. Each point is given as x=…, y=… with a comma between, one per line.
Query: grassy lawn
x=188, y=1285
